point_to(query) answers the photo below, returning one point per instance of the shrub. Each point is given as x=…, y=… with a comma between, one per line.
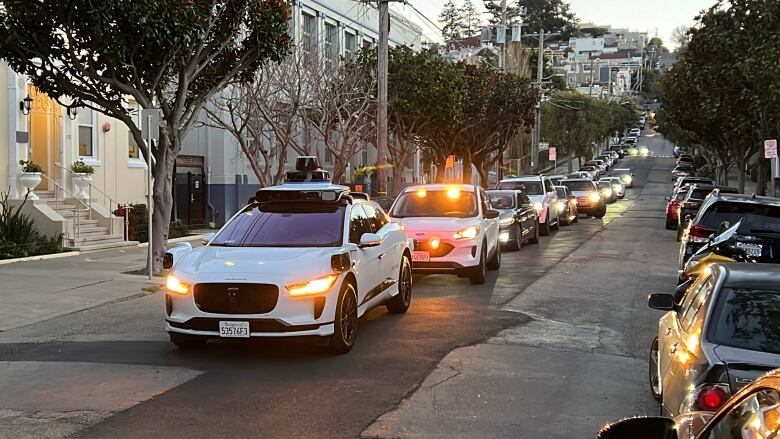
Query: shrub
x=79, y=167
x=30, y=166
x=19, y=237
x=178, y=230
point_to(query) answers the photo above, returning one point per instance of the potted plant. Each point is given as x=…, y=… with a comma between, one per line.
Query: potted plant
x=30, y=177
x=82, y=177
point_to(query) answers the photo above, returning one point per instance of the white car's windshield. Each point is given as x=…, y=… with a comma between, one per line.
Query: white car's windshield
x=435, y=203
x=284, y=225
x=528, y=187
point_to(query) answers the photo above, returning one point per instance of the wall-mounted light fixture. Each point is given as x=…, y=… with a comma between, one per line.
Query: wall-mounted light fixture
x=26, y=105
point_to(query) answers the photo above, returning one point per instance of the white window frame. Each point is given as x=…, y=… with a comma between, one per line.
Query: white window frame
x=349, y=52
x=139, y=162
x=330, y=53
x=92, y=160
x=309, y=37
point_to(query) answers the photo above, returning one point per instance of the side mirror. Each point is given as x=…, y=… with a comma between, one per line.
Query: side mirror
x=663, y=302
x=370, y=240
x=168, y=261
x=207, y=238
x=491, y=214
x=174, y=253
x=640, y=428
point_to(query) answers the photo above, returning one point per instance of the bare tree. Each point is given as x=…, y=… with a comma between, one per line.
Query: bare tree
x=681, y=36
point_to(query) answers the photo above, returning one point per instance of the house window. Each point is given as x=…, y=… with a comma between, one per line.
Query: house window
x=87, y=135
x=350, y=45
x=331, y=44
x=328, y=156
x=309, y=35
x=364, y=156
x=132, y=147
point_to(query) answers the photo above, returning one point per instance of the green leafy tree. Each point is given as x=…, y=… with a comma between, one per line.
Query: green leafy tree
x=554, y=16
x=168, y=54
x=452, y=23
x=471, y=20
x=495, y=13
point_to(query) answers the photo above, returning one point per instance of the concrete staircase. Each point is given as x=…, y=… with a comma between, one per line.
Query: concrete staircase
x=90, y=234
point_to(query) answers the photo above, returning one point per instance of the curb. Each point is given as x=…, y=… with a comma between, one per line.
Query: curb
x=40, y=257
x=175, y=240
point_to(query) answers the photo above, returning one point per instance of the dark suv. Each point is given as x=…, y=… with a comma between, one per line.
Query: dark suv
x=690, y=204
x=759, y=235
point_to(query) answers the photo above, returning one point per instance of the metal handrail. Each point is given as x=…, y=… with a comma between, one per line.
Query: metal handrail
x=111, y=201
x=76, y=216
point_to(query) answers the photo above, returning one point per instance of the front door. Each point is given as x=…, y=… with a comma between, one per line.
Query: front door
x=45, y=125
x=197, y=199
x=190, y=190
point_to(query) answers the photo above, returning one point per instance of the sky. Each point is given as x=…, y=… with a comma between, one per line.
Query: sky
x=660, y=16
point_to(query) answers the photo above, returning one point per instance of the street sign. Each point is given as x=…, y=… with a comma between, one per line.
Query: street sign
x=770, y=149
x=543, y=146
x=450, y=162
x=553, y=154
x=150, y=123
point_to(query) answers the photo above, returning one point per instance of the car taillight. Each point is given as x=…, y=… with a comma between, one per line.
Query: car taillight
x=698, y=233
x=711, y=398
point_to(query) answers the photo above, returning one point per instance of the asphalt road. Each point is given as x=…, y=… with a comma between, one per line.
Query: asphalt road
x=110, y=372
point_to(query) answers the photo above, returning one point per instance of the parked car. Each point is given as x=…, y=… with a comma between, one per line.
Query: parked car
x=592, y=170
x=685, y=158
x=555, y=179
x=617, y=186
x=635, y=132
x=580, y=174
x=620, y=149
x=625, y=175
x=759, y=234
x=518, y=220
x=681, y=181
x=751, y=413
x=723, y=335
x=599, y=164
x=605, y=187
x=298, y=246
x=683, y=170
x=453, y=227
x=589, y=199
x=673, y=206
x=693, y=200
x=541, y=191
x=630, y=140
x=567, y=205
x=607, y=159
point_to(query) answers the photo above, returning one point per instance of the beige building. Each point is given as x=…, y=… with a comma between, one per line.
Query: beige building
x=34, y=127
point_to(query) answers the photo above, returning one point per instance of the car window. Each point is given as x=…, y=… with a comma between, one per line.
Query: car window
x=578, y=186
x=284, y=225
x=561, y=192
x=501, y=201
x=373, y=217
x=435, y=203
x=757, y=416
x=747, y=319
x=358, y=224
x=528, y=187
x=523, y=199
x=694, y=302
x=757, y=217
x=548, y=186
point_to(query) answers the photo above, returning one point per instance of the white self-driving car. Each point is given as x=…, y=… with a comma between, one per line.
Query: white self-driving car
x=453, y=228
x=303, y=259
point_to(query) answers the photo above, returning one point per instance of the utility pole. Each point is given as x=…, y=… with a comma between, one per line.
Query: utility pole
x=381, y=108
x=590, y=87
x=539, y=79
x=500, y=171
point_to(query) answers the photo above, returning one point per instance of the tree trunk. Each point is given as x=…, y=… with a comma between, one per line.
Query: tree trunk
x=484, y=179
x=398, y=176
x=761, y=178
x=441, y=162
x=466, y=170
x=162, y=196
x=741, y=174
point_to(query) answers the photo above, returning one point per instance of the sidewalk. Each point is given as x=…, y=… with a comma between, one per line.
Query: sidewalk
x=35, y=291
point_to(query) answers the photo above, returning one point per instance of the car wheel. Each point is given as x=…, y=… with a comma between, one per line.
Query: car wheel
x=557, y=225
x=400, y=303
x=477, y=274
x=186, y=341
x=346, y=321
x=669, y=224
x=495, y=262
x=545, y=228
x=576, y=216
x=600, y=214
x=679, y=233
x=535, y=238
x=654, y=376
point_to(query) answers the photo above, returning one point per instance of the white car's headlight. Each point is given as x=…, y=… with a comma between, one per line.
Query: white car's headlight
x=469, y=232
x=595, y=197
x=176, y=286
x=316, y=286
x=538, y=206
x=507, y=221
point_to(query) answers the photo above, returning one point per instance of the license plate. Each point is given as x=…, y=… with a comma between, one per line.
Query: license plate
x=421, y=257
x=752, y=250
x=234, y=329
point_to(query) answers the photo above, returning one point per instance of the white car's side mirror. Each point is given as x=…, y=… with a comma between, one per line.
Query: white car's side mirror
x=370, y=240
x=207, y=238
x=174, y=253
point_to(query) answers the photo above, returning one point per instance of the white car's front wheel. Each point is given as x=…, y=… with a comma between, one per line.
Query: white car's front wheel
x=400, y=303
x=346, y=321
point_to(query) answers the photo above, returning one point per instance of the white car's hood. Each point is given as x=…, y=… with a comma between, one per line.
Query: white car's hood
x=420, y=228
x=254, y=260
x=536, y=198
